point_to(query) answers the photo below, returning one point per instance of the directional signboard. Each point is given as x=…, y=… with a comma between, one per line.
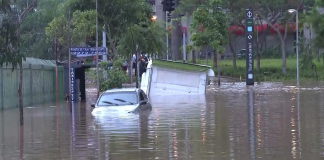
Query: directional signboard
x=249, y=47
x=88, y=51
x=72, y=84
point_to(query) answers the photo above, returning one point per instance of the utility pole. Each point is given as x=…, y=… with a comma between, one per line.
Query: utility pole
x=167, y=34
x=56, y=74
x=184, y=45
x=168, y=7
x=70, y=87
x=97, y=65
x=104, y=57
x=137, y=65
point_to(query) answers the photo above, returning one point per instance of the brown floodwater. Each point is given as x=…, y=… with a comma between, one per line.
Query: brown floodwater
x=272, y=121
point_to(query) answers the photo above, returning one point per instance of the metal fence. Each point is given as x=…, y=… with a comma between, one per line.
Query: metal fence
x=39, y=84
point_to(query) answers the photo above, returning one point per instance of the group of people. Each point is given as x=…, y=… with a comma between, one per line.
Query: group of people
x=143, y=61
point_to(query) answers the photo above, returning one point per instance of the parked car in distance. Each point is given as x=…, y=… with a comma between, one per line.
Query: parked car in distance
x=241, y=54
x=128, y=100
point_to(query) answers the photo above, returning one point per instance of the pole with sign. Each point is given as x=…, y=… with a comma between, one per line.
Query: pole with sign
x=249, y=47
x=72, y=84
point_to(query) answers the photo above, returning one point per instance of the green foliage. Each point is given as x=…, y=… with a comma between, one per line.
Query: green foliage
x=190, y=5
x=117, y=16
x=317, y=21
x=33, y=37
x=270, y=70
x=215, y=28
x=149, y=37
x=115, y=76
x=73, y=33
x=272, y=52
x=307, y=53
x=9, y=40
x=179, y=66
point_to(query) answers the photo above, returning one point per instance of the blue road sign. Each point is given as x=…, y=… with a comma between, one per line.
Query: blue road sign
x=249, y=47
x=88, y=51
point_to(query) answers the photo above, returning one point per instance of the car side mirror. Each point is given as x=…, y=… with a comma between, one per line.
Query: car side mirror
x=93, y=105
x=143, y=102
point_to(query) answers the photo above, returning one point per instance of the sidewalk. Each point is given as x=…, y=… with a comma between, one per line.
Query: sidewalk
x=127, y=85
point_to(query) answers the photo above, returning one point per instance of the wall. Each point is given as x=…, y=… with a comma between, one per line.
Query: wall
x=38, y=85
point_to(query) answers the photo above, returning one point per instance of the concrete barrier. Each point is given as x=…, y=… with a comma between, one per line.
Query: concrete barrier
x=167, y=81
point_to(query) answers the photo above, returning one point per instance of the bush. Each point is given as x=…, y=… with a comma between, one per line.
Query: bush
x=115, y=76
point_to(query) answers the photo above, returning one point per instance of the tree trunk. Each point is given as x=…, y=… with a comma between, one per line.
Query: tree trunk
x=114, y=49
x=283, y=51
x=318, y=56
x=218, y=68
x=233, y=53
x=176, y=37
x=258, y=58
x=21, y=109
x=215, y=59
x=194, y=60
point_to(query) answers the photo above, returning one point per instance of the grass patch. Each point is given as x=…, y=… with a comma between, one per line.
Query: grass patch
x=179, y=66
x=270, y=70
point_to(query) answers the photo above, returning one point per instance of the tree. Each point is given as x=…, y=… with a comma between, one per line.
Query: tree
x=274, y=13
x=317, y=21
x=33, y=36
x=236, y=14
x=147, y=37
x=214, y=21
x=72, y=32
x=12, y=19
x=115, y=16
x=187, y=7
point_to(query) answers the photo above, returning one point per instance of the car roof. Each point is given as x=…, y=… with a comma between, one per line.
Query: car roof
x=122, y=90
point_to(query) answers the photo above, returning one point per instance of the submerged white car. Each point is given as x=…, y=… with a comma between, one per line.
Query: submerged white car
x=121, y=101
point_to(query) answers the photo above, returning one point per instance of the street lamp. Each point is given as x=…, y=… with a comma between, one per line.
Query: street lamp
x=296, y=11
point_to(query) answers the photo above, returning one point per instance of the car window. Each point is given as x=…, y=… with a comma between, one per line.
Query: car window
x=118, y=98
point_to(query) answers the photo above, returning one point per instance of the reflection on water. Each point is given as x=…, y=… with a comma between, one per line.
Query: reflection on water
x=267, y=121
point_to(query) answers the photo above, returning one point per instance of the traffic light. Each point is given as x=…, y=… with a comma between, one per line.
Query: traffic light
x=168, y=5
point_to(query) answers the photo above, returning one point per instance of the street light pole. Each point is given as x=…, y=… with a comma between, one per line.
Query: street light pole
x=97, y=66
x=297, y=47
x=167, y=34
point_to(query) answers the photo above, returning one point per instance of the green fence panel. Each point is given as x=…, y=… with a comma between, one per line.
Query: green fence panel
x=10, y=88
x=39, y=83
x=61, y=83
x=26, y=86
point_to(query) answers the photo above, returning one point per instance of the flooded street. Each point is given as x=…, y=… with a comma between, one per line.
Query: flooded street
x=270, y=121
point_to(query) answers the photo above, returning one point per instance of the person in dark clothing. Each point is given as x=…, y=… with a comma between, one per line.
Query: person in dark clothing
x=145, y=58
x=143, y=66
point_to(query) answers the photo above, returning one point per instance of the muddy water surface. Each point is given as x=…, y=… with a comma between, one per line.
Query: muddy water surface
x=267, y=121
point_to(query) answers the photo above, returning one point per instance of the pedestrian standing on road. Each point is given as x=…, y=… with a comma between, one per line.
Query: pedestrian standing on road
x=143, y=66
x=134, y=64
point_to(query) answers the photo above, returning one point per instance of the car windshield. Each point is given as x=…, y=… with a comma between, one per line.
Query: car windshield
x=118, y=98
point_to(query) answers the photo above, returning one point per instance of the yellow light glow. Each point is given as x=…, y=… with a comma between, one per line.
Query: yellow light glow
x=154, y=18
